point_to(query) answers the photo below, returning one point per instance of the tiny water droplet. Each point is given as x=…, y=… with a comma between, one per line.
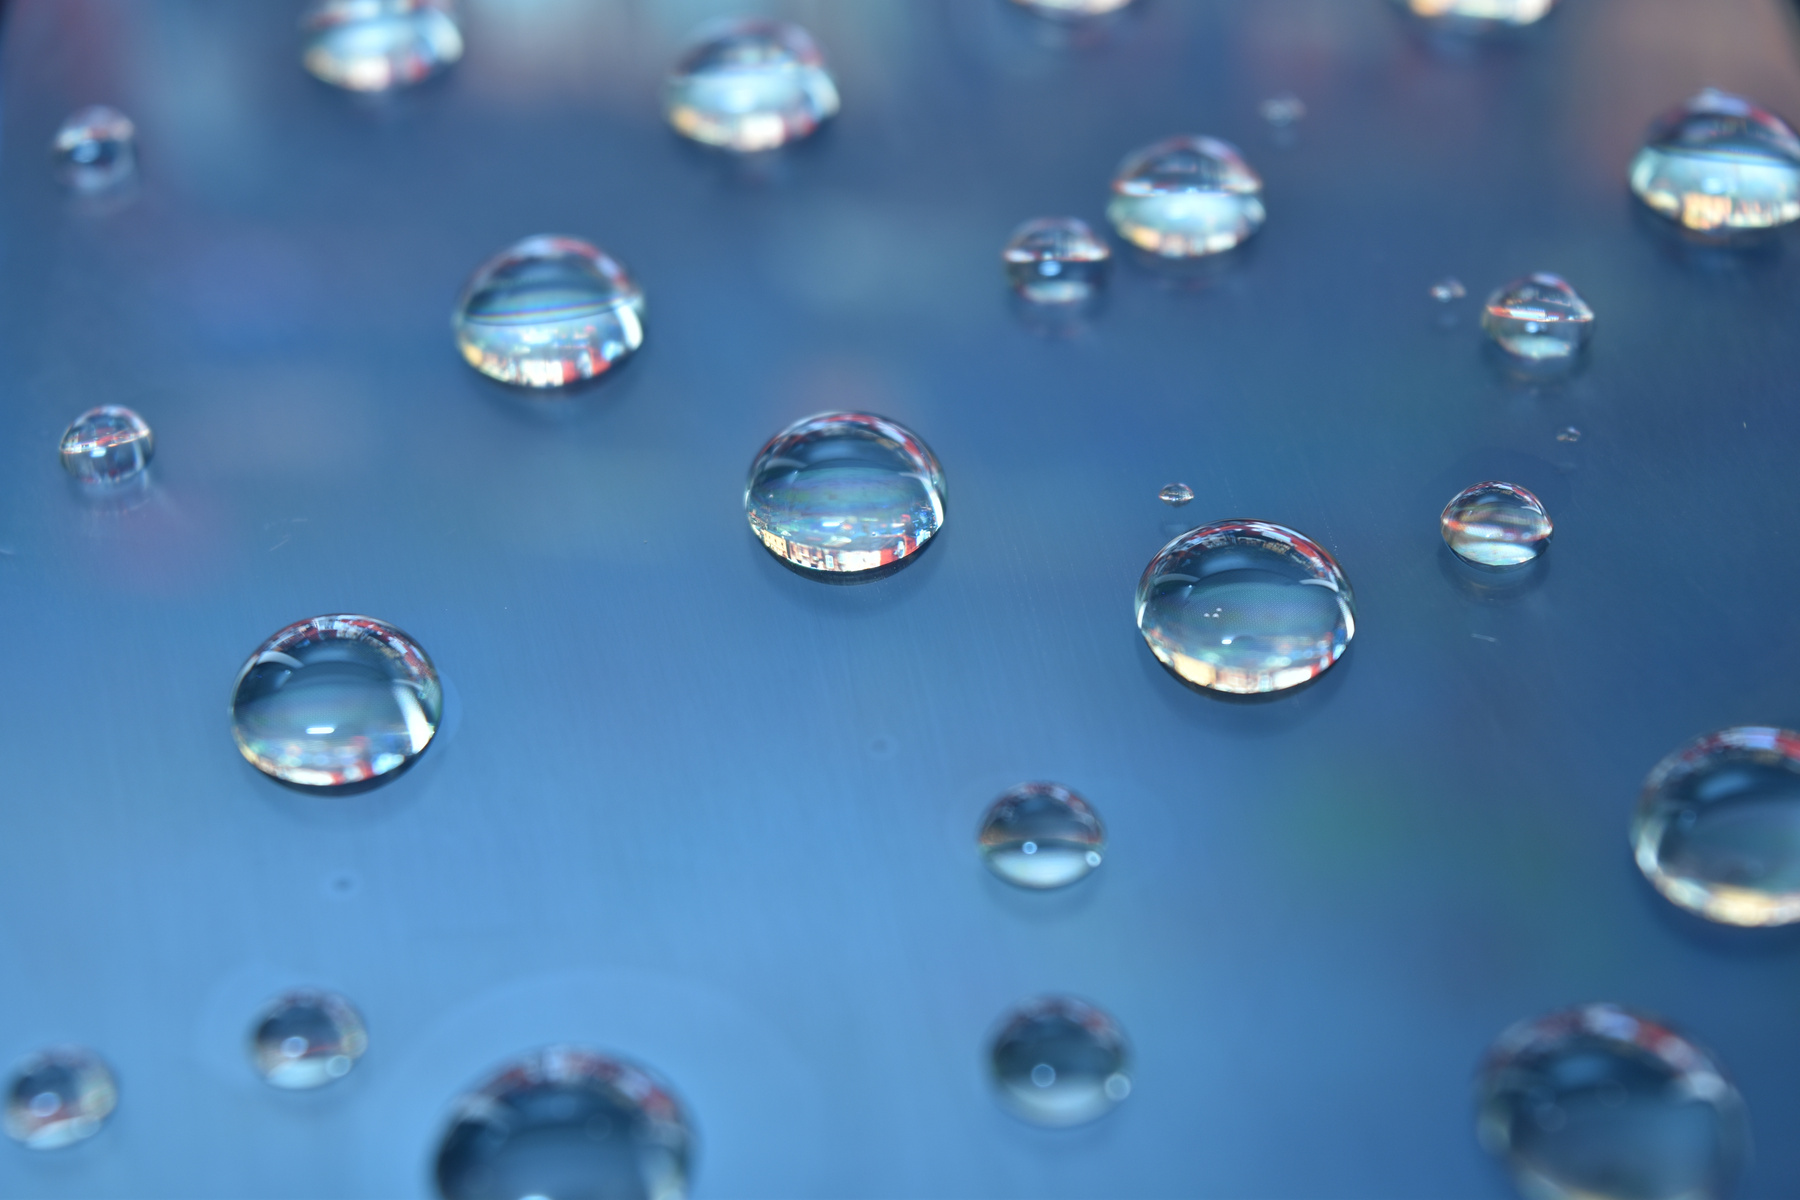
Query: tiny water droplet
x=547, y=312
x=1186, y=197
x=565, y=1121
x=95, y=149
x=1282, y=111
x=59, y=1096
x=1075, y=10
x=750, y=85
x=368, y=682
x=1600, y=1102
x=378, y=45
x=1495, y=525
x=306, y=1038
x=1175, y=494
x=1718, y=165
x=1447, y=289
x=1568, y=433
x=1479, y=14
x=1059, y=1062
x=107, y=445
x=845, y=493
x=1055, y=260
x=1041, y=835
x=1539, y=317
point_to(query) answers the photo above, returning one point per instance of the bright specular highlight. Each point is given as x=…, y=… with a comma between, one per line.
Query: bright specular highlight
x=547, y=312
x=1720, y=165
x=1495, y=525
x=1055, y=260
x=751, y=85
x=379, y=45
x=1186, y=197
x=1041, y=835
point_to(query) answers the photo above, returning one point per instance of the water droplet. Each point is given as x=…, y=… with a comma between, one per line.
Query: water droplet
x=549, y=311
x=1568, y=433
x=1720, y=165
x=1447, y=289
x=95, y=149
x=59, y=1096
x=1059, y=1062
x=1175, y=494
x=845, y=492
x=107, y=445
x=750, y=85
x=1282, y=111
x=377, y=45
x=1539, y=318
x=1245, y=606
x=1496, y=525
x=1040, y=835
x=564, y=1121
x=1480, y=14
x=1601, y=1103
x=363, y=679
x=1186, y=197
x=1072, y=9
x=306, y=1039
x=1055, y=260
x=1717, y=829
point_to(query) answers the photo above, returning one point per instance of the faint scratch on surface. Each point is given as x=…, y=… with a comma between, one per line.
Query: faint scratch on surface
x=1484, y=637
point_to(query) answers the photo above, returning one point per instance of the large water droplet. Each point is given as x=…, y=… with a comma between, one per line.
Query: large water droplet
x=1719, y=165
x=307, y=1038
x=1055, y=260
x=1540, y=318
x=59, y=1096
x=1496, y=525
x=1477, y=14
x=751, y=85
x=1067, y=10
x=334, y=700
x=1245, y=606
x=1175, y=494
x=566, y=1122
x=549, y=311
x=1717, y=829
x=107, y=445
x=1186, y=197
x=1597, y=1103
x=845, y=492
x=1040, y=835
x=376, y=45
x=95, y=149
x=1058, y=1061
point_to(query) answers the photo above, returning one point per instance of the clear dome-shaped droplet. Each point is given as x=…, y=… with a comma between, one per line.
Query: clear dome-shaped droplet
x=1040, y=835
x=1539, y=318
x=95, y=149
x=107, y=445
x=1720, y=165
x=1598, y=1103
x=566, y=1122
x=1186, y=197
x=1447, y=289
x=1175, y=494
x=845, y=492
x=334, y=700
x=750, y=85
x=1717, y=829
x=1245, y=606
x=377, y=45
x=1496, y=525
x=1072, y=9
x=1478, y=14
x=1059, y=1062
x=306, y=1039
x=1055, y=260
x=59, y=1096
x=547, y=312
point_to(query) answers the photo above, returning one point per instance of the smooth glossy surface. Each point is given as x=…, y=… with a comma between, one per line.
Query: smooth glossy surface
x=1186, y=197
x=378, y=45
x=307, y=1038
x=1495, y=525
x=845, y=493
x=107, y=445
x=335, y=700
x=1245, y=606
x=1539, y=318
x=95, y=149
x=1055, y=260
x=1175, y=494
x=569, y=1123
x=547, y=312
x=1600, y=1103
x=751, y=85
x=58, y=1097
x=1480, y=14
x=1057, y=1061
x=1720, y=165
x=1041, y=835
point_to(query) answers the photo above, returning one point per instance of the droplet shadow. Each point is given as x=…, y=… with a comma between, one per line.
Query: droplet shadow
x=1059, y=322
x=1710, y=937
x=1263, y=714
x=856, y=595
x=1707, y=255
x=561, y=406
x=1041, y=906
x=1189, y=276
x=1493, y=585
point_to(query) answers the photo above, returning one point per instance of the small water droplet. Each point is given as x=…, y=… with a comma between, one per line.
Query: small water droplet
x=1245, y=606
x=1447, y=289
x=1059, y=1062
x=107, y=445
x=565, y=1121
x=1041, y=835
x=378, y=45
x=1477, y=15
x=1186, y=197
x=1495, y=525
x=1055, y=260
x=1072, y=10
x=1719, y=165
x=1282, y=111
x=845, y=493
x=371, y=684
x=1538, y=318
x=1568, y=433
x=59, y=1096
x=750, y=85
x=1603, y=1103
x=547, y=312
x=1717, y=829
x=306, y=1038
x=1175, y=494
x=95, y=149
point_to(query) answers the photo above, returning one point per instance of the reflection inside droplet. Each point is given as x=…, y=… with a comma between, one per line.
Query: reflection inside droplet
x=59, y=1096
x=107, y=445
x=1055, y=260
x=1058, y=1061
x=1186, y=197
x=750, y=85
x=1476, y=15
x=547, y=312
x=1175, y=494
x=1495, y=525
x=1041, y=835
x=95, y=149
x=1538, y=318
x=306, y=1038
x=377, y=45
x=1720, y=165
x=1447, y=289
